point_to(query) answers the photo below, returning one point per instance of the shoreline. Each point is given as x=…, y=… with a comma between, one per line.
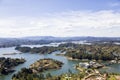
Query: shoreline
x=14, y=53
x=86, y=60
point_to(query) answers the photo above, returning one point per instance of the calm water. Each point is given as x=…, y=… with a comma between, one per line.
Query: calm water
x=31, y=58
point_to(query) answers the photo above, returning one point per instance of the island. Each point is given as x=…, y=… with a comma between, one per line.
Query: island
x=36, y=69
x=41, y=50
x=45, y=64
x=6, y=64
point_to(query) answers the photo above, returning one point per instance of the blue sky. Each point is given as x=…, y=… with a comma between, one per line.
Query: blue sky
x=19, y=18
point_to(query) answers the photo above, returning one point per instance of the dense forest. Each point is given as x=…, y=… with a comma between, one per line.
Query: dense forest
x=7, y=63
x=93, y=51
x=41, y=50
x=27, y=74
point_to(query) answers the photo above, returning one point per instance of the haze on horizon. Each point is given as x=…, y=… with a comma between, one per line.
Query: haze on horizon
x=62, y=18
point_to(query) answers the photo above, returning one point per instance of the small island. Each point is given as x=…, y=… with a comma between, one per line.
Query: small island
x=45, y=64
x=6, y=64
x=36, y=69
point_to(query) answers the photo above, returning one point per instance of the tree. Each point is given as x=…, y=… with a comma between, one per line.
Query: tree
x=41, y=76
x=48, y=75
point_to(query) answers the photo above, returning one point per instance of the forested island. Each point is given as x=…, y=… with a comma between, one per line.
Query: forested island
x=103, y=52
x=41, y=50
x=38, y=67
x=6, y=64
x=45, y=64
x=92, y=52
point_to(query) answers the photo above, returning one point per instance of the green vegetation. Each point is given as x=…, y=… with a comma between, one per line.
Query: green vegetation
x=23, y=49
x=45, y=64
x=111, y=77
x=84, y=74
x=80, y=51
x=87, y=74
x=42, y=50
x=96, y=52
x=102, y=51
x=25, y=74
x=34, y=72
x=7, y=63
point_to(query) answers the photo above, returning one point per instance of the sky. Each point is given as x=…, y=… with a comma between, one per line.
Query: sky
x=60, y=18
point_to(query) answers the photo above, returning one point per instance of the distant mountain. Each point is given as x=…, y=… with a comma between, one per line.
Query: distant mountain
x=53, y=38
x=39, y=38
x=88, y=38
x=8, y=42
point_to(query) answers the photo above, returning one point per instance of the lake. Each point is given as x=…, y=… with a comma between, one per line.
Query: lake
x=31, y=58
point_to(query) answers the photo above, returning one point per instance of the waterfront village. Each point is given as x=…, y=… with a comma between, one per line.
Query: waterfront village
x=90, y=69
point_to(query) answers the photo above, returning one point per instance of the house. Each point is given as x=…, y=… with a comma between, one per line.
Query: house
x=113, y=61
x=84, y=65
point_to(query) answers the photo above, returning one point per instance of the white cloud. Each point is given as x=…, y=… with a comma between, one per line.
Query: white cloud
x=114, y=4
x=73, y=23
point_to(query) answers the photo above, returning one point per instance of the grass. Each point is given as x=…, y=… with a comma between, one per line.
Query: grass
x=111, y=77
